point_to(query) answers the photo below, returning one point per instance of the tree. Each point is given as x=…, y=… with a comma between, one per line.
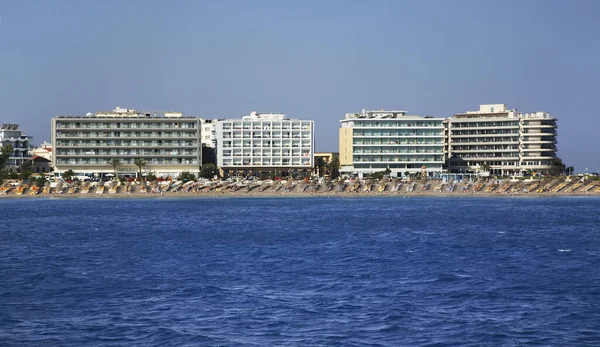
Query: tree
x=26, y=166
x=151, y=177
x=25, y=174
x=140, y=163
x=208, y=170
x=557, y=166
x=569, y=170
x=186, y=176
x=115, y=163
x=320, y=166
x=68, y=174
x=485, y=167
x=5, y=153
x=334, y=168
x=40, y=181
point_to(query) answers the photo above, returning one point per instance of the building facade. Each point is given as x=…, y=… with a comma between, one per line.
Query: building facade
x=208, y=130
x=44, y=151
x=373, y=141
x=10, y=134
x=510, y=143
x=263, y=142
x=168, y=142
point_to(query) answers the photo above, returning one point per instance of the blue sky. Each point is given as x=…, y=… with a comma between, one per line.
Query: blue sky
x=309, y=59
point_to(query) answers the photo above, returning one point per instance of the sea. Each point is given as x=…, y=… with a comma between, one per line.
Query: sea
x=418, y=271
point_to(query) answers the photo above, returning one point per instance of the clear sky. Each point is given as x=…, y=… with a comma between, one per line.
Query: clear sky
x=309, y=59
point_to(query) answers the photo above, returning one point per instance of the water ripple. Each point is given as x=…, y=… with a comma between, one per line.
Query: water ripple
x=298, y=272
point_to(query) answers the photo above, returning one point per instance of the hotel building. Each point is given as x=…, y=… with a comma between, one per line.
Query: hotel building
x=511, y=143
x=10, y=134
x=373, y=141
x=265, y=142
x=167, y=141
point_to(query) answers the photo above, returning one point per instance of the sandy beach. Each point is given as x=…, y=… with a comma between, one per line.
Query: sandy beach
x=390, y=188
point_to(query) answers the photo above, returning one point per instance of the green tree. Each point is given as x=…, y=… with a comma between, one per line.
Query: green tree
x=558, y=167
x=5, y=153
x=186, y=176
x=40, y=181
x=67, y=175
x=569, y=170
x=25, y=174
x=485, y=167
x=151, y=177
x=140, y=163
x=26, y=166
x=208, y=170
x=115, y=163
x=334, y=168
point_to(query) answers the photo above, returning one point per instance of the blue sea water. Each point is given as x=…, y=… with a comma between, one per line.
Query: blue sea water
x=300, y=272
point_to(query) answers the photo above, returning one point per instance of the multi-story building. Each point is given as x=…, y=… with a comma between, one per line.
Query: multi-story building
x=262, y=142
x=373, y=141
x=168, y=142
x=209, y=128
x=10, y=134
x=510, y=143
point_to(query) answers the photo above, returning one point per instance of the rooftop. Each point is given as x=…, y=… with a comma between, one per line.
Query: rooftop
x=119, y=112
x=264, y=116
x=383, y=114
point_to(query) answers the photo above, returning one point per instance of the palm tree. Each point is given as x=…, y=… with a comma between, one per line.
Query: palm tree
x=5, y=152
x=319, y=166
x=115, y=163
x=334, y=167
x=140, y=163
x=485, y=167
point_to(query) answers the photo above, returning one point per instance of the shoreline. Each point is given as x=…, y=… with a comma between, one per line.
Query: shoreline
x=558, y=187
x=344, y=195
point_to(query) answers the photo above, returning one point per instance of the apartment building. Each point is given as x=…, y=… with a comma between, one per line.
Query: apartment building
x=262, y=142
x=167, y=141
x=510, y=143
x=10, y=134
x=373, y=141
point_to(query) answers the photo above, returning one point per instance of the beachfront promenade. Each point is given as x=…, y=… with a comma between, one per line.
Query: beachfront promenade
x=393, y=187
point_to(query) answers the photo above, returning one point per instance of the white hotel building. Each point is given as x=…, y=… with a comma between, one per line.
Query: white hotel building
x=373, y=141
x=262, y=142
x=167, y=141
x=511, y=143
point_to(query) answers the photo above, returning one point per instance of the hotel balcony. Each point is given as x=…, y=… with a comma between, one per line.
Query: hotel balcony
x=475, y=150
x=128, y=155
